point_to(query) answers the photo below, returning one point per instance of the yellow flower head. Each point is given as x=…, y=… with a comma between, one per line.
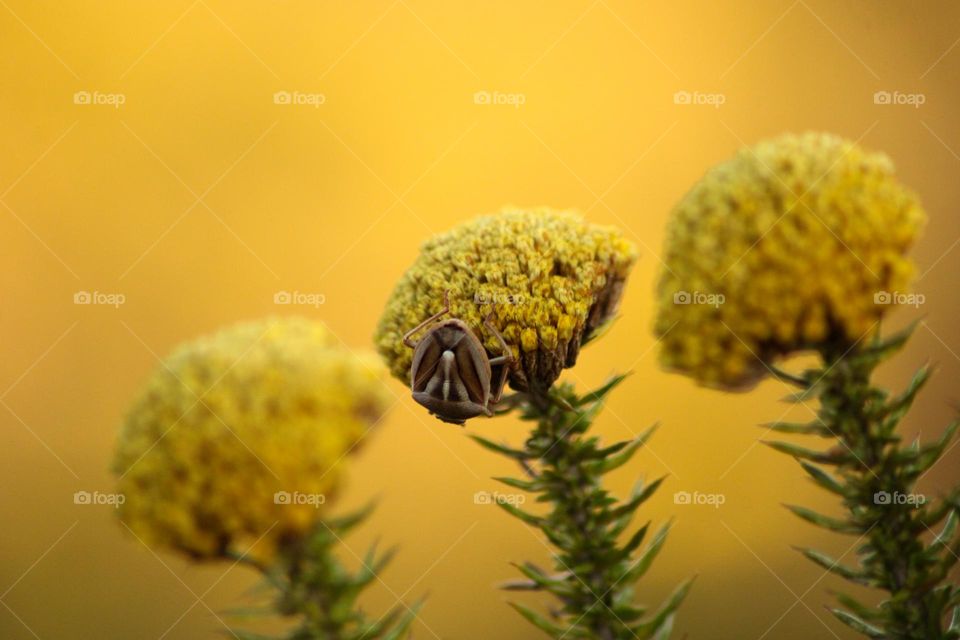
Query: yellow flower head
x=546, y=278
x=796, y=243
x=237, y=436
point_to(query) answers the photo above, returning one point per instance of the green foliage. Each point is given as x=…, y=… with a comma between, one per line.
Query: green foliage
x=312, y=587
x=595, y=567
x=907, y=544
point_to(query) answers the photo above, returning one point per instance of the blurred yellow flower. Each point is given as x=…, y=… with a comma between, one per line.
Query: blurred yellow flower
x=548, y=278
x=795, y=243
x=238, y=435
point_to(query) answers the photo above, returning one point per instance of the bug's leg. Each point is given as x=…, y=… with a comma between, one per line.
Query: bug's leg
x=434, y=317
x=501, y=383
x=507, y=354
x=506, y=359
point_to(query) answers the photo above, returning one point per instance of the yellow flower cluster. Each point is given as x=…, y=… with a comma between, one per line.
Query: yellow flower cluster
x=793, y=244
x=238, y=436
x=548, y=279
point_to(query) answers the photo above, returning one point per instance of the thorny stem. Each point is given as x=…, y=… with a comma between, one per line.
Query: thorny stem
x=876, y=476
x=313, y=587
x=893, y=549
x=589, y=546
x=595, y=571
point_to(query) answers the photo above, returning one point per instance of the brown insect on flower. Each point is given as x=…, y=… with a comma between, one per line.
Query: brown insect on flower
x=451, y=373
x=547, y=280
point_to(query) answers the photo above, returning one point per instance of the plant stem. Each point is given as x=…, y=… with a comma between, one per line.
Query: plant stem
x=584, y=543
x=876, y=478
x=893, y=555
x=312, y=586
x=594, y=572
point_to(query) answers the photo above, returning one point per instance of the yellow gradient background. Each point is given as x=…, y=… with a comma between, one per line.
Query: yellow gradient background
x=199, y=198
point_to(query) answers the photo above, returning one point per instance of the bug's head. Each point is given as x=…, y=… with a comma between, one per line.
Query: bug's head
x=450, y=374
x=457, y=415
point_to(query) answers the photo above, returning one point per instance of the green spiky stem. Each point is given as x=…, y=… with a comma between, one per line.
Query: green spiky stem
x=875, y=476
x=312, y=586
x=595, y=572
x=582, y=538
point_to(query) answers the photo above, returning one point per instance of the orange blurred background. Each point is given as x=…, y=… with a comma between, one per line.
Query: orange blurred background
x=179, y=181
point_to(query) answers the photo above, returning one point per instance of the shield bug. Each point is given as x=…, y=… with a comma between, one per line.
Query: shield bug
x=452, y=373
